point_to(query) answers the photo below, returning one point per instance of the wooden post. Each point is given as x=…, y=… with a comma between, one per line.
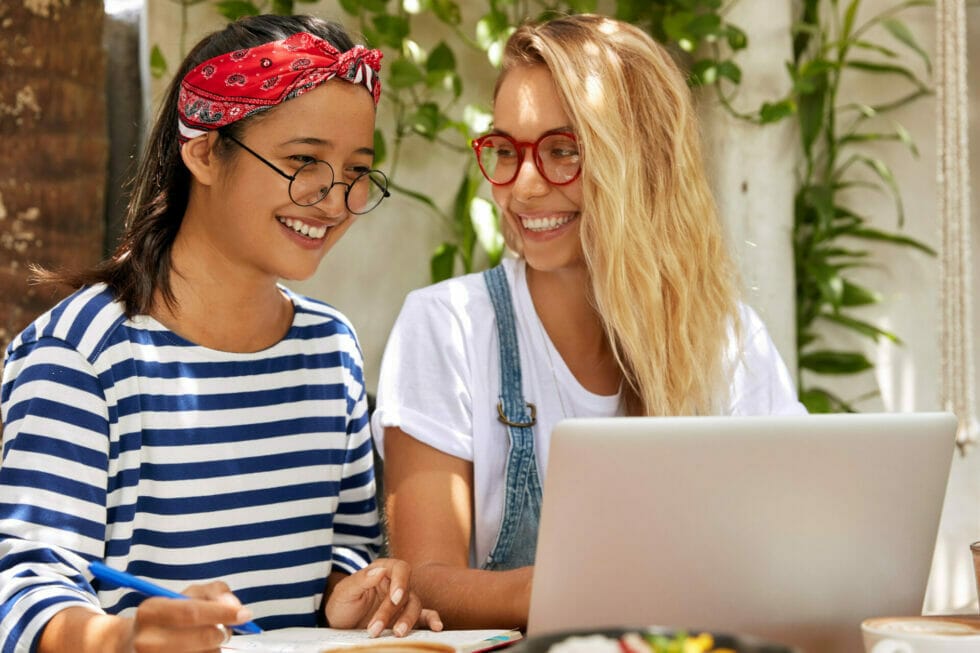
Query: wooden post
x=53, y=147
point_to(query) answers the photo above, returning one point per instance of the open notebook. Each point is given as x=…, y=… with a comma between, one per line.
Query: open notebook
x=315, y=640
x=789, y=528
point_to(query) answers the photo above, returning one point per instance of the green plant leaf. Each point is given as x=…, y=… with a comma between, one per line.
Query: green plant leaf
x=818, y=400
x=730, y=70
x=677, y=27
x=380, y=148
x=495, y=53
x=441, y=59
x=235, y=9
x=490, y=28
x=849, y=15
x=282, y=7
x=351, y=7
x=413, y=52
x=875, y=47
x=811, y=108
x=855, y=295
x=884, y=172
x=861, y=327
x=391, y=29
x=821, y=199
x=444, y=80
x=864, y=110
x=812, y=76
x=583, y=6
x=806, y=28
x=158, y=63
x=461, y=220
x=803, y=339
x=905, y=137
x=428, y=120
x=486, y=224
x=835, y=362
x=447, y=11
x=900, y=31
x=900, y=134
x=404, y=74
x=737, y=39
x=844, y=185
x=885, y=69
x=705, y=27
x=845, y=218
x=895, y=239
x=477, y=119
x=630, y=10
x=829, y=282
x=902, y=101
x=443, y=262
x=704, y=72
x=770, y=113
x=828, y=251
x=417, y=196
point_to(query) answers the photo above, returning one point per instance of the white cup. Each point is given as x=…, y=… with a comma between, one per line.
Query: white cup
x=920, y=635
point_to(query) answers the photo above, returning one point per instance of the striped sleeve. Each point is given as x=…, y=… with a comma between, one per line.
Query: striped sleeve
x=52, y=486
x=357, y=532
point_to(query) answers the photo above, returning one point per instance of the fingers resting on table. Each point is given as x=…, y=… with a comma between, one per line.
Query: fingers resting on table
x=378, y=597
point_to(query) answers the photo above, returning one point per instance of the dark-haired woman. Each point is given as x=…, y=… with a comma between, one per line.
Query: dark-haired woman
x=184, y=417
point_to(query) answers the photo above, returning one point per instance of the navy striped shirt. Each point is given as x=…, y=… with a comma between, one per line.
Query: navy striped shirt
x=180, y=464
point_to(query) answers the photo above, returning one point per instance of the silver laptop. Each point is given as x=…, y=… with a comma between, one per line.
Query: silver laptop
x=793, y=529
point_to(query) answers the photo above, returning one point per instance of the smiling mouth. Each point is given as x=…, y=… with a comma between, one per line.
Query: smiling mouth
x=300, y=227
x=546, y=223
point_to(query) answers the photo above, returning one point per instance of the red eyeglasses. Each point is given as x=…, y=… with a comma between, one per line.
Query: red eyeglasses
x=556, y=156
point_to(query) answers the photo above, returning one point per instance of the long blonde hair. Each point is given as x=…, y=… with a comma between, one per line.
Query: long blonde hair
x=662, y=281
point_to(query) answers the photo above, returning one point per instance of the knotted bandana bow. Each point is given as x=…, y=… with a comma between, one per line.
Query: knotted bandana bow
x=234, y=85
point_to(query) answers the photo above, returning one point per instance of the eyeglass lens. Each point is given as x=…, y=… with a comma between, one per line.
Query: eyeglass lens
x=312, y=182
x=555, y=155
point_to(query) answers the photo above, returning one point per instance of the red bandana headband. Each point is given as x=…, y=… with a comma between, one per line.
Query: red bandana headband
x=237, y=84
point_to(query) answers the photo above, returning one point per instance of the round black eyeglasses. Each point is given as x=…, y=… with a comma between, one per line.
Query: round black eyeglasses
x=314, y=180
x=555, y=154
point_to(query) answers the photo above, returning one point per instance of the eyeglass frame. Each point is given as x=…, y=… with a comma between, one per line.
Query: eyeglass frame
x=384, y=190
x=478, y=143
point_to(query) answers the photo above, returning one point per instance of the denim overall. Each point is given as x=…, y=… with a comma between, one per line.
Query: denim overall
x=517, y=539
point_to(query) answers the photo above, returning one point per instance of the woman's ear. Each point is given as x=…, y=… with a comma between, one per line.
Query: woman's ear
x=199, y=157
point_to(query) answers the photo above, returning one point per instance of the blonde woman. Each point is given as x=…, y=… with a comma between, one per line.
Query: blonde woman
x=622, y=301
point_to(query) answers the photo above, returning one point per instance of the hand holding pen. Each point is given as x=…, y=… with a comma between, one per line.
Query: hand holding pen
x=195, y=622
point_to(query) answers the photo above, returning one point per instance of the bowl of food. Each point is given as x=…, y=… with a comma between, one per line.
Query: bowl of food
x=651, y=639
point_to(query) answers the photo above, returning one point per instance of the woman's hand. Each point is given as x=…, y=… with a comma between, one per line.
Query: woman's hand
x=195, y=624
x=378, y=597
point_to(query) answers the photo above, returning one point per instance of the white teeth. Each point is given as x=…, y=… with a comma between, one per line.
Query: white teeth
x=545, y=224
x=301, y=227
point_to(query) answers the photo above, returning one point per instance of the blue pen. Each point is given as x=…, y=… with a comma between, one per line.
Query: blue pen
x=122, y=579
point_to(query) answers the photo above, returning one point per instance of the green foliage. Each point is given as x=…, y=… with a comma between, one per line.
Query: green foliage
x=829, y=233
x=696, y=29
x=423, y=86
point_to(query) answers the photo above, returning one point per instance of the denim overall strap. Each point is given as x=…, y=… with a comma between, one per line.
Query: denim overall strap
x=517, y=539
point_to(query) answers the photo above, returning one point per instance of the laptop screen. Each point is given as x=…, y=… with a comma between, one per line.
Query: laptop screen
x=794, y=529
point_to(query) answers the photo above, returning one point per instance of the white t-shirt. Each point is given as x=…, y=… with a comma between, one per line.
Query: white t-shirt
x=440, y=383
